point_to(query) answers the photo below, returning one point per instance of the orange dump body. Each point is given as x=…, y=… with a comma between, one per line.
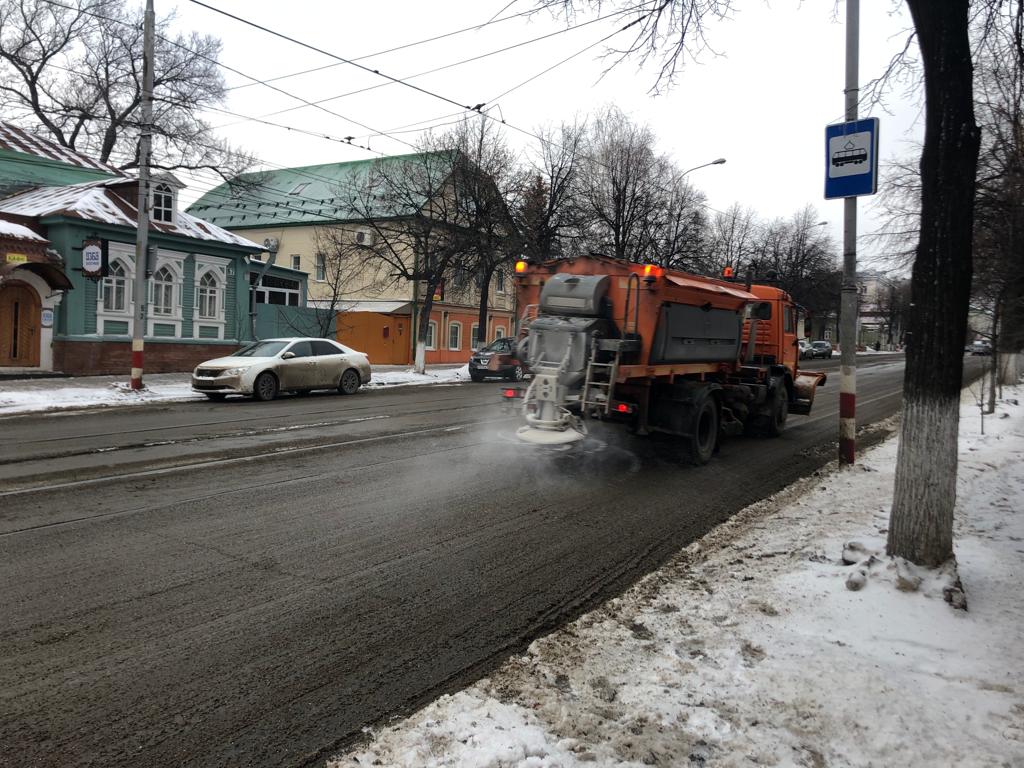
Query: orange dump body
x=637, y=293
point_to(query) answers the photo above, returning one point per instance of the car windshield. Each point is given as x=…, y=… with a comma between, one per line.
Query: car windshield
x=261, y=349
x=501, y=345
x=820, y=344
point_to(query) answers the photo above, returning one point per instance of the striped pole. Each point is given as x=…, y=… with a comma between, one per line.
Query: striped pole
x=138, y=347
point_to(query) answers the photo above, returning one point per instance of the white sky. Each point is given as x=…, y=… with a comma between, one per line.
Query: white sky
x=762, y=103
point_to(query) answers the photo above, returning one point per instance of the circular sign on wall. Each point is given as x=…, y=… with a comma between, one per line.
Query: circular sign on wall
x=46, y=318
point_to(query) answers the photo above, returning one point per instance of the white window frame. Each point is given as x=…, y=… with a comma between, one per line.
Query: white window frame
x=474, y=336
x=499, y=282
x=116, y=285
x=431, y=335
x=499, y=332
x=123, y=253
x=457, y=327
x=209, y=294
x=162, y=200
x=320, y=268
x=174, y=263
x=297, y=262
x=217, y=267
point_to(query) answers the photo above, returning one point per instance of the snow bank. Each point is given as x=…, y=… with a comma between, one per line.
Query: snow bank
x=748, y=649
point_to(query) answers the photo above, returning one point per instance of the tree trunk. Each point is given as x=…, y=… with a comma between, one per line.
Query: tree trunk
x=485, y=296
x=993, y=361
x=921, y=523
x=420, y=359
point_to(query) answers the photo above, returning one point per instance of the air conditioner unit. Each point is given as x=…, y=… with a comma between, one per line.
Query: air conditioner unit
x=364, y=237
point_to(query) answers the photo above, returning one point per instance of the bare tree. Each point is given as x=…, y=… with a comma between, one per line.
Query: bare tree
x=73, y=71
x=619, y=192
x=731, y=240
x=409, y=205
x=486, y=178
x=548, y=213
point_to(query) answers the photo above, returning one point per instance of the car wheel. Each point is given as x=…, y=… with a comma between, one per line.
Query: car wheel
x=349, y=383
x=216, y=396
x=516, y=374
x=477, y=377
x=265, y=387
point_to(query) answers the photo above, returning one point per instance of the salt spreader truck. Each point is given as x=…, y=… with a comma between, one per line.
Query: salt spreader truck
x=656, y=350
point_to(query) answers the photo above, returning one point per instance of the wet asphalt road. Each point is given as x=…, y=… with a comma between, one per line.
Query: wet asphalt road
x=315, y=564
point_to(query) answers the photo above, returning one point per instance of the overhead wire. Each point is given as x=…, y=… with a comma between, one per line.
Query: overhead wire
x=451, y=65
x=405, y=46
x=176, y=44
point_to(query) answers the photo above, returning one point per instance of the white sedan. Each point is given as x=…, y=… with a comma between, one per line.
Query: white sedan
x=265, y=368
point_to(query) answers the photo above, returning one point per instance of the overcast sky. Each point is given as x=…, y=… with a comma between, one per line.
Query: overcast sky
x=761, y=99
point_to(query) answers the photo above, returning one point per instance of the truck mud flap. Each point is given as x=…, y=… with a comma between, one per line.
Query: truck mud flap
x=804, y=388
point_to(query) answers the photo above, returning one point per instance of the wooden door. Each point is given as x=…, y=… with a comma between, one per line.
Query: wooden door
x=19, y=326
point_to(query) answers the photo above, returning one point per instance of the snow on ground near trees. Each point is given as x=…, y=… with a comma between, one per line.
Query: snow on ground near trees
x=25, y=395
x=748, y=649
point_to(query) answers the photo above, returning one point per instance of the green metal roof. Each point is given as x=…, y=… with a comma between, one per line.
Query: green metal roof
x=320, y=193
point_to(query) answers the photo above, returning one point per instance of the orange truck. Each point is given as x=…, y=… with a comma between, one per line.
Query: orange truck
x=657, y=351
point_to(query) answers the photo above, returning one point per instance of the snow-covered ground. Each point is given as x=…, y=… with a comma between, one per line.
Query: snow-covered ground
x=25, y=395
x=748, y=649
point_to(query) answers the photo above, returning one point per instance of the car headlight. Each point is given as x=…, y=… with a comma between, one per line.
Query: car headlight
x=235, y=371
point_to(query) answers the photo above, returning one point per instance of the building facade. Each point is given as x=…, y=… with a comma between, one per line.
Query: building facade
x=60, y=314
x=308, y=211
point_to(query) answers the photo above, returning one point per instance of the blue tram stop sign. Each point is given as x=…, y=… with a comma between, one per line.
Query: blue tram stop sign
x=851, y=158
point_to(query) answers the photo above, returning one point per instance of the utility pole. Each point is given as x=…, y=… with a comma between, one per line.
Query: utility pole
x=848, y=324
x=142, y=235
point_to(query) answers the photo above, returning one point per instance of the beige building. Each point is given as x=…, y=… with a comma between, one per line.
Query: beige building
x=349, y=227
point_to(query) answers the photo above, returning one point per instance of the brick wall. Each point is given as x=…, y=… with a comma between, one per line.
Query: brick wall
x=84, y=358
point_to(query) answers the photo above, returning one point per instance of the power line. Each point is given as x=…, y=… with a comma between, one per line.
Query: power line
x=477, y=27
x=342, y=59
x=93, y=14
x=451, y=65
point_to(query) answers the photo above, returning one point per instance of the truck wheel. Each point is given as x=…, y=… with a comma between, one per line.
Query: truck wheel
x=776, y=420
x=700, y=444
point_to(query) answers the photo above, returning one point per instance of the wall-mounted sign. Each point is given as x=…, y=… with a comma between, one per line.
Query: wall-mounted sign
x=92, y=258
x=46, y=318
x=16, y=258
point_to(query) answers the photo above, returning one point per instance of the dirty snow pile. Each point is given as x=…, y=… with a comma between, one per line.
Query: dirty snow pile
x=748, y=649
x=24, y=396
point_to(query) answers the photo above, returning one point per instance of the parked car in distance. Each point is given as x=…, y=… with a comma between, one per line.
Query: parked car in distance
x=981, y=347
x=821, y=349
x=497, y=359
x=805, y=349
x=263, y=369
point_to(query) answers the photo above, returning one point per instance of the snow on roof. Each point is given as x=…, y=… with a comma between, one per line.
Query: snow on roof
x=19, y=140
x=97, y=201
x=10, y=229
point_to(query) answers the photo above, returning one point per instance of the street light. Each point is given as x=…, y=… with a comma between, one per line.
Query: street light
x=719, y=161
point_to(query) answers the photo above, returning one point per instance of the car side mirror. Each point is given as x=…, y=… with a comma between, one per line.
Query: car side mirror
x=287, y=355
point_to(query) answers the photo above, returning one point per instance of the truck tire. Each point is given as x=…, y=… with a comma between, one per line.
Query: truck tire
x=775, y=421
x=700, y=443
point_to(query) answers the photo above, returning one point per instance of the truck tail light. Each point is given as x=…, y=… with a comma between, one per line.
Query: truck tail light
x=624, y=408
x=511, y=392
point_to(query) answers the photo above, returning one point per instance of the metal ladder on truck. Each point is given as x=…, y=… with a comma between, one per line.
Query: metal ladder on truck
x=599, y=384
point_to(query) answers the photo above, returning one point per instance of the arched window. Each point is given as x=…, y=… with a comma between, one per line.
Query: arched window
x=163, y=292
x=208, y=296
x=163, y=203
x=114, y=288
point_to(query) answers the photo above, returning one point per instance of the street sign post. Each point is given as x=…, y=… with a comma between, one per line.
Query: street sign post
x=851, y=159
